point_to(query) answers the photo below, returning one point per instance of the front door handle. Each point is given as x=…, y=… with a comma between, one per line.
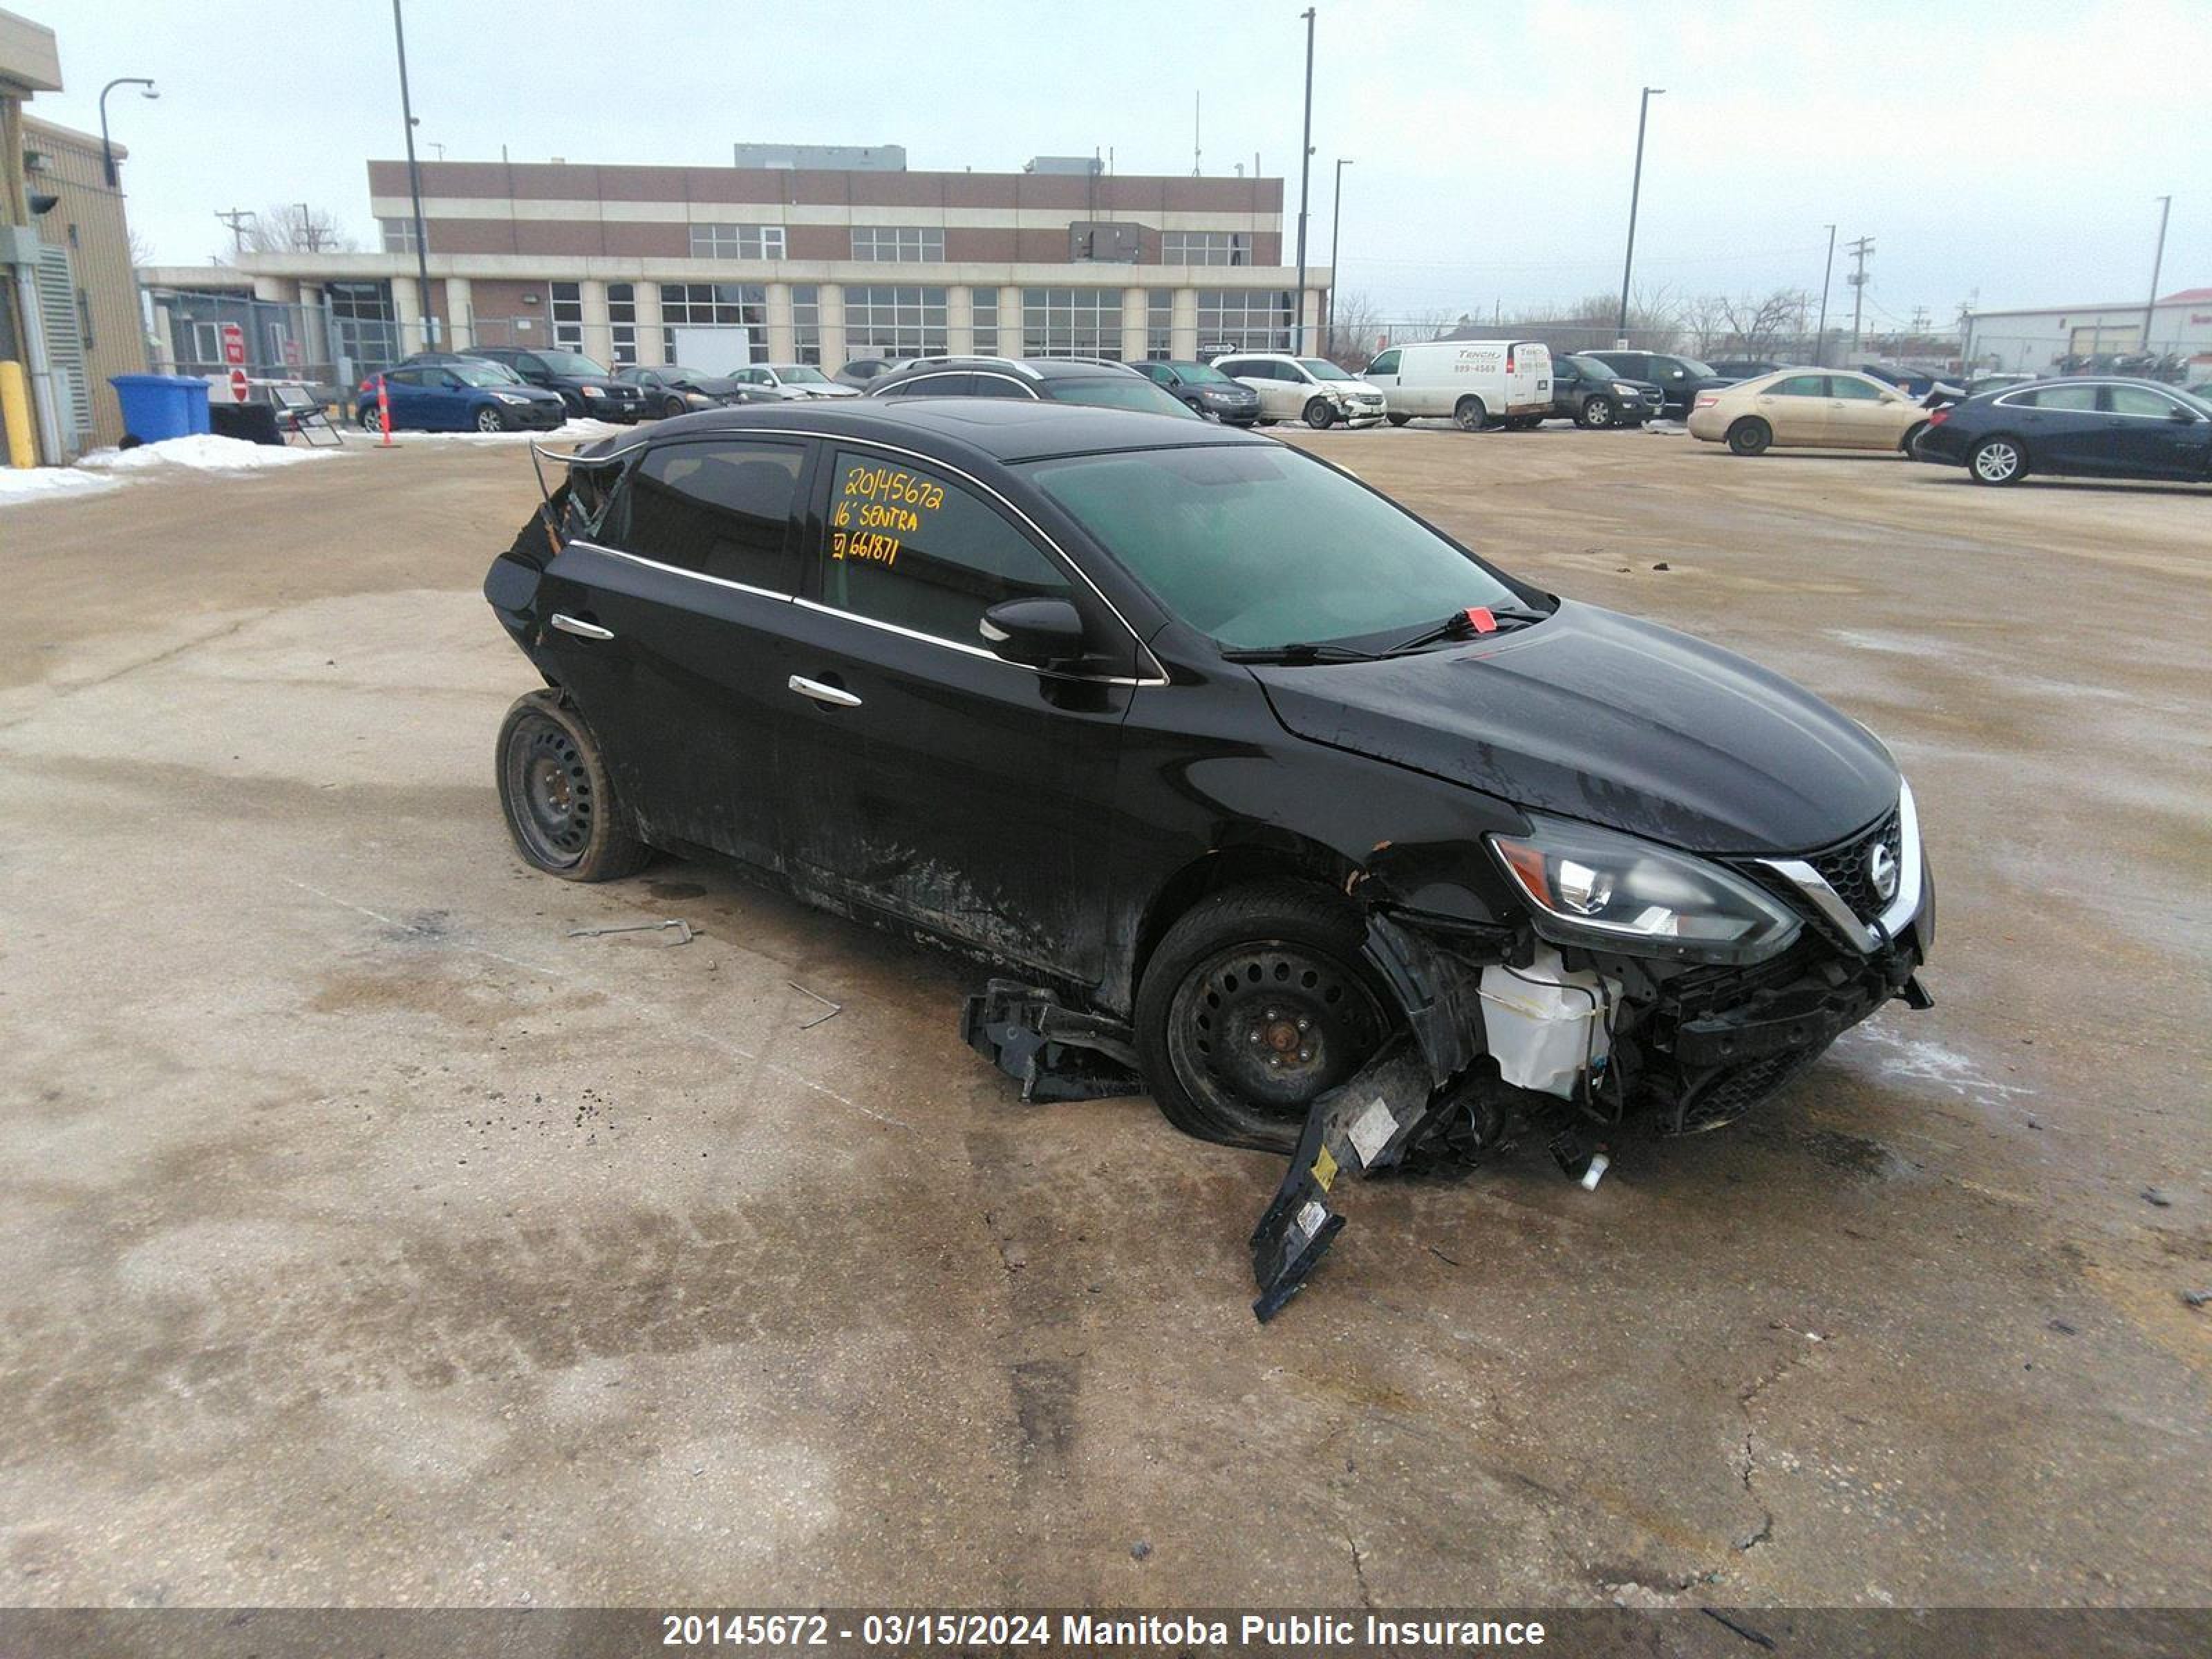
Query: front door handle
x=837, y=695
x=582, y=630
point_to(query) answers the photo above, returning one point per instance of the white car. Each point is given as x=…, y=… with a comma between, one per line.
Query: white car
x=793, y=380
x=1309, y=389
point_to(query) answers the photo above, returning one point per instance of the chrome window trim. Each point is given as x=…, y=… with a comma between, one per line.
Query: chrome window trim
x=1158, y=676
x=1869, y=937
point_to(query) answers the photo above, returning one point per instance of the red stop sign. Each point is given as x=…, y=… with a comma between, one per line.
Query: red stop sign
x=238, y=386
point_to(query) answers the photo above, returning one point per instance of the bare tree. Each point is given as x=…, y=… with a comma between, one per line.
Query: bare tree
x=296, y=227
x=1757, y=327
x=1354, y=326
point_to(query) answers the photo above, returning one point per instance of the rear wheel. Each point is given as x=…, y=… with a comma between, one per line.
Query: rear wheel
x=560, y=802
x=1470, y=414
x=1997, y=461
x=1750, y=436
x=1320, y=415
x=1904, y=445
x=1397, y=420
x=1255, y=1003
x=1594, y=412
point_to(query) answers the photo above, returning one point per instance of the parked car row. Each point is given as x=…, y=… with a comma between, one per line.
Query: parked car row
x=507, y=388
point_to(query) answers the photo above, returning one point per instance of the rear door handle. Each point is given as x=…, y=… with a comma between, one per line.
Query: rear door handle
x=582, y=630
x=837, y=695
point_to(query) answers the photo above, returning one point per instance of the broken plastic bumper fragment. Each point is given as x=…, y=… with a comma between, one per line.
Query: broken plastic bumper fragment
x=1054, y=1052
x=1363, y=1124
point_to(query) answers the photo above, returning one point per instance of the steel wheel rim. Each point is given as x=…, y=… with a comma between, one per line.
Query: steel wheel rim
x=1261, y=1028
x=550, y=791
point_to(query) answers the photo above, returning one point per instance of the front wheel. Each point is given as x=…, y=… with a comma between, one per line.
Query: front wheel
x=1596, y=412
x=558, y=796
x=1470, y=414
x=371, y=421
x=1750, y=436
x=1319, y=415
x=490, y=419
x=1904, y=445
x=1997, y=461
x=673, y=408
x=1257, y=1002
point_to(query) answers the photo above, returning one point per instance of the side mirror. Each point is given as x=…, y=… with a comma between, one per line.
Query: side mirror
x=2180, y=416
x=1036, y=633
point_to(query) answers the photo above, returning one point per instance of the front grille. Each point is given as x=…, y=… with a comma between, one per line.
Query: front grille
x=1845, y=867
x=1727, y=1096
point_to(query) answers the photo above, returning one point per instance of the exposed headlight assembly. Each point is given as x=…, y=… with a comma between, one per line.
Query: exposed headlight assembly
x=1605, y=891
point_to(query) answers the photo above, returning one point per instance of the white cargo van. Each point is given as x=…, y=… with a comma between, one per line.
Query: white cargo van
x=1477, y=383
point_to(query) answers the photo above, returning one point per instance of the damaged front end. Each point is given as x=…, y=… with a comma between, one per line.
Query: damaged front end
x=1571, y=1030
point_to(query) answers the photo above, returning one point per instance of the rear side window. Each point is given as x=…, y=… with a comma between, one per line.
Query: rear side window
x=911, y=547
x=720, y=509
x=2081, y=398
x=1800, y=386
x=934, y=386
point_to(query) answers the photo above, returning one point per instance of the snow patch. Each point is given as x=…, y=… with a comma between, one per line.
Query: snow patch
x=50, y=483
x=569, y=432
x=202, y=452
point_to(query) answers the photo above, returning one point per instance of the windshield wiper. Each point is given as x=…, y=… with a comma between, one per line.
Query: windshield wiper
x=1302, y=651
x=1460, y=625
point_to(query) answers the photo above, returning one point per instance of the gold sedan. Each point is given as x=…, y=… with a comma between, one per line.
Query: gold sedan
x=1805, y=409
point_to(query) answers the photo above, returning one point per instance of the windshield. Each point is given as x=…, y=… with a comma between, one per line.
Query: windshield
x=1697, y=367
x=2194, y=397
x=1200, y=374
x=1322, y=369
x=1119, y=391
x=1588, y=368
x=1260, y=546
x=800, y=374
x=570, y=362
x=482, y=374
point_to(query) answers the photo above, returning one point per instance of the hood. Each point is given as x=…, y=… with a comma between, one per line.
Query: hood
x=1597, y=716
x=606, y=383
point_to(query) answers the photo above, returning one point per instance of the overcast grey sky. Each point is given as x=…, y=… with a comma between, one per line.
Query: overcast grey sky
x=2014, y=150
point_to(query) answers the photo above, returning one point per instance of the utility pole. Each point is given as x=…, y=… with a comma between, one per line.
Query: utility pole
x=1197, y=110
x=1635, y=194
x=1827, y=275
x=1858, y=250
x=1335, y=264
x=2158, y=259
x=236, y=219
x=414, y=182
x=1305, y=173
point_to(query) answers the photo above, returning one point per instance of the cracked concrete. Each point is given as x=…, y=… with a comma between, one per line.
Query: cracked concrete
x=371, y=1240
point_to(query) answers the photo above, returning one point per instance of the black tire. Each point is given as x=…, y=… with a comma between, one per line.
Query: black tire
x=1997, y=462
x=1218, y=1014
x=1321, y=414
x=1596, y=413
x=558, y=797
x=673, y=408
x=369, y=421
x=491, y=418
x=1750, y=436
x=1470, y=414
x=1397, y=420
x=1911, y=437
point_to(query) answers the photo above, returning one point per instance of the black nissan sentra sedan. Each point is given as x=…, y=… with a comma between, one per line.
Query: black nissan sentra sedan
x=1250, y=772
x=2087, y=428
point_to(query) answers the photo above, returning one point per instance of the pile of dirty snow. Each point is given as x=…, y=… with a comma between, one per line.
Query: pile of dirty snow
x=50, y=483
x=569, y=432
x=202, y=452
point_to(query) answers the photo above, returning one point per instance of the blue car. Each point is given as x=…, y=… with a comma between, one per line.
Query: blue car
x=459, y=396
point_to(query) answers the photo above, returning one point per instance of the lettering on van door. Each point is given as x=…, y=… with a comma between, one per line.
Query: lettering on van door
x=1478, y=363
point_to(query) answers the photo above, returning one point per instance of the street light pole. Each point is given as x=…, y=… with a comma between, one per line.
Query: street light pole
x=1305, y=173
x=1635, y=191
x=1827, y=274
x=414, y=181
x=107, y=149
x=1335, y=264
x=2157, y=261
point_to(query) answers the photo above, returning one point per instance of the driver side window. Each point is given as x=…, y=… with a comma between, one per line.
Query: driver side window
x=910, y=547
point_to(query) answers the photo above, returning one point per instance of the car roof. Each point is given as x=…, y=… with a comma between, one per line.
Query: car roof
x=1003, y=429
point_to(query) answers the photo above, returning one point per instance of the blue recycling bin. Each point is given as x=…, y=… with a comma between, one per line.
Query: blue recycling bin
x=158, y=406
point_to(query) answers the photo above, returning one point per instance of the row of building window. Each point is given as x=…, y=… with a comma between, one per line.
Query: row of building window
x=890, y=244
x=881, y=320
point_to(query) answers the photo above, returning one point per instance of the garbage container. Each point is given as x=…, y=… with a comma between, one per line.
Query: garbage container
x=255, y=423
x=158, y=406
